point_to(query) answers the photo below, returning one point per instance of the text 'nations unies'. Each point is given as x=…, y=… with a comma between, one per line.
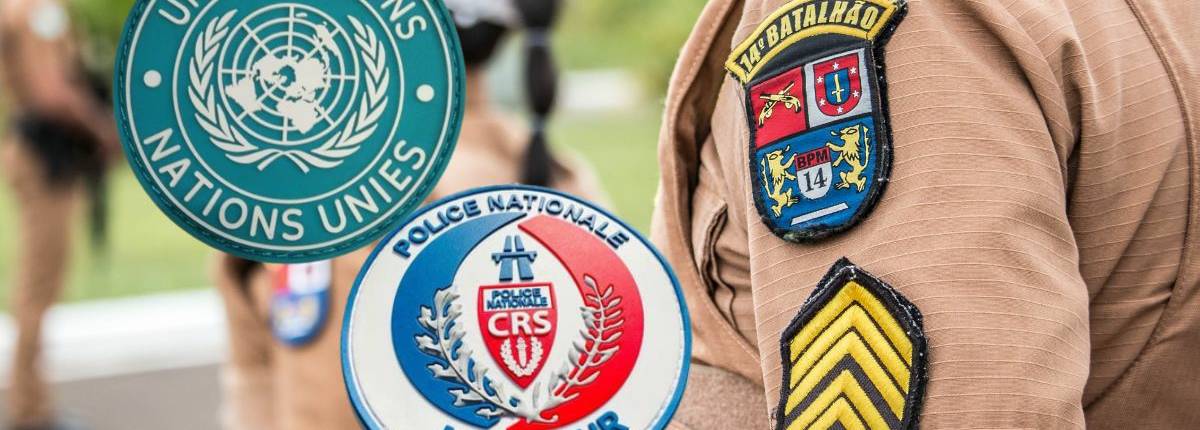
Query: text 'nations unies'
x=346, y=213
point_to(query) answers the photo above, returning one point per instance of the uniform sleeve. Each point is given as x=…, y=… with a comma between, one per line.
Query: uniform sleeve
x=972, y=229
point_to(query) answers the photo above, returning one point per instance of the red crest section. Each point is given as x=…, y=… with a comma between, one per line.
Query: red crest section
x=838, y=84
x=778, y=106
x=613, y=308
x=519, y=323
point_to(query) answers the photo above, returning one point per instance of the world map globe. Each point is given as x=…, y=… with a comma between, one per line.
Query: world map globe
x=289, y=70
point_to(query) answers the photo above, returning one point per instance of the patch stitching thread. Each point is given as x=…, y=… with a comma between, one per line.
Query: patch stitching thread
x=880, y=28
x=816, y=225
x=872, y=323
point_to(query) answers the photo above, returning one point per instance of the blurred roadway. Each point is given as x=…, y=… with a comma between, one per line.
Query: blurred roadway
x=178, y=399
x=145, y=363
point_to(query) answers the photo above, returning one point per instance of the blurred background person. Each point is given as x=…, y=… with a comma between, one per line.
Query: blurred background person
x=284, y=370
x=59, y=140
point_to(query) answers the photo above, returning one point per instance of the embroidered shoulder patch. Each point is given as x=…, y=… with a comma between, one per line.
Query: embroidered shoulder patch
x=854, y=358
x=820, y=148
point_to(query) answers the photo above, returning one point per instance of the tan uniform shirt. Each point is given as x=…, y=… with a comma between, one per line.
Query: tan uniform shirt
x=1042, y=213
x=272, y=386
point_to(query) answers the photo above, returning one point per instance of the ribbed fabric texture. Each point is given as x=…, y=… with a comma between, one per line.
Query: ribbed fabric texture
x=1038, y=212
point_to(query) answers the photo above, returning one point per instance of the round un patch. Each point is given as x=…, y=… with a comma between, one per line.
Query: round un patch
x=520, y=308
x=289, y=131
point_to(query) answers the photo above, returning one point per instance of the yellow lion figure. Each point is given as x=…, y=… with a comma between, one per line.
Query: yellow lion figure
x=855, y=150
x=776, y=171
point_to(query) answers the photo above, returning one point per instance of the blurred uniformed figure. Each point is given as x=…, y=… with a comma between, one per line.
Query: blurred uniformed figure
x=1042, y=213
x=270, y=384
x=58, y=140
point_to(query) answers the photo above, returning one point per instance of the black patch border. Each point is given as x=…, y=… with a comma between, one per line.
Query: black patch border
x=883, y=168
x=905, y=312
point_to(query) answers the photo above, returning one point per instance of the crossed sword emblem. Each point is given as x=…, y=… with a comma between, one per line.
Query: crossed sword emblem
x=789, y=101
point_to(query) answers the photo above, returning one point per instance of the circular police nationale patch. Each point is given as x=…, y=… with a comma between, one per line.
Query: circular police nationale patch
x=520, y=308
x=289, y=131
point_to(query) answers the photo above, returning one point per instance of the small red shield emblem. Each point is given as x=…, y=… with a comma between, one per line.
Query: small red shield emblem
x=838, y=84
x=518, y=322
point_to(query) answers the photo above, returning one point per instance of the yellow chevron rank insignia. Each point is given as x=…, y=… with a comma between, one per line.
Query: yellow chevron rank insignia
x=854, y=358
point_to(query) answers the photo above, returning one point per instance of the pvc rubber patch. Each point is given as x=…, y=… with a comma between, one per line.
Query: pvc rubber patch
x=519, y=308
x=288, y=131
x=854, y=358
x=820, y=147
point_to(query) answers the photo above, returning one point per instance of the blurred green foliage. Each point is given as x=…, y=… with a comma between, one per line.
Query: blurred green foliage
x=639, y=35
x=642, y=36
x=146, y=253
x=99, y=23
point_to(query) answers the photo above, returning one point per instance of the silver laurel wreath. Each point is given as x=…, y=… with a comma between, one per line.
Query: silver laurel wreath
x=214, y=120
x=597, y=345
x=444, y=341
x=530, y=354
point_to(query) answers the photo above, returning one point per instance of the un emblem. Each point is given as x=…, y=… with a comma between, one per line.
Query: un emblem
x=289, y=131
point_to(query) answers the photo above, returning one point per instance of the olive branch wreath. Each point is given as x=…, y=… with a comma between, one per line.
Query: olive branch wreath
x=597, y=345
x=214, y=120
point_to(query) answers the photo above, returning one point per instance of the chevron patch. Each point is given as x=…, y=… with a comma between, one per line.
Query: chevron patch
x=854, y=358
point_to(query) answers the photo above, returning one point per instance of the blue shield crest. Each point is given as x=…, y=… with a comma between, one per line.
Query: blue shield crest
x=820, y=147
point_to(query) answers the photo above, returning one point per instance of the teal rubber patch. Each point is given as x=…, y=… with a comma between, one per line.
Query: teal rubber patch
x=289, y=131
